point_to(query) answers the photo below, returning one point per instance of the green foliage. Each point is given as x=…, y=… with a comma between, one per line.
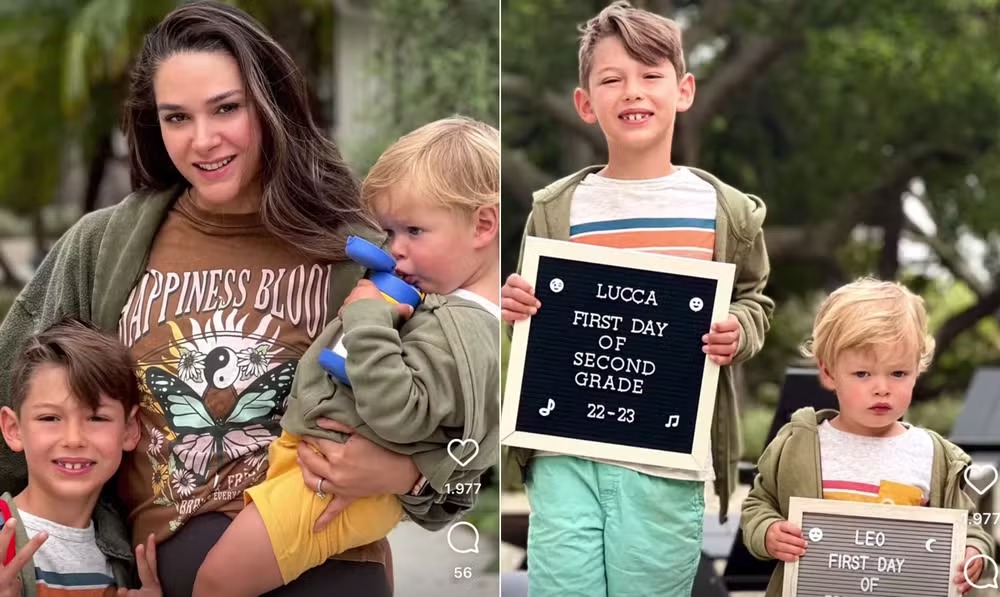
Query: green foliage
x=862, y=86
x=96, y=48
x=437, y=58
x=755, y=422
x=979, y=346
x=65, y=65
x=938, y=415
x=540, y=42
x=791, y=326
x=862, y=95
x=30, y=111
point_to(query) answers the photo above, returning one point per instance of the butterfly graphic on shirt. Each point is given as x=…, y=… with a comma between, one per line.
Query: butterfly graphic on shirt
x=220, y=423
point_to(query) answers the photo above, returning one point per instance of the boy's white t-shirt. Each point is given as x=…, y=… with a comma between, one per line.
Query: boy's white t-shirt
x=885, y=470
x=670, y=215
x=69, y=562
x=482, y=301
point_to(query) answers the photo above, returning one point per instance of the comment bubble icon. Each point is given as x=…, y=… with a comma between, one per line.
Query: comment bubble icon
x=459, y=542
x=989, y=573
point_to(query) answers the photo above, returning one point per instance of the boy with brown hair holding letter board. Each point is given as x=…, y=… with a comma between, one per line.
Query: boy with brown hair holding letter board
x=633, y=82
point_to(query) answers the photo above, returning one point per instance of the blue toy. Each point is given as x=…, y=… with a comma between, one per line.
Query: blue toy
x=393, y=288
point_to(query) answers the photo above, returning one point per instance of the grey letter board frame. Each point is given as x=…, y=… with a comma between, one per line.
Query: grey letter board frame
x=909, y=532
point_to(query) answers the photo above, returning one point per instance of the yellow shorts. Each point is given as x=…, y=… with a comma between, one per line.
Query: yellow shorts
x=289, y=510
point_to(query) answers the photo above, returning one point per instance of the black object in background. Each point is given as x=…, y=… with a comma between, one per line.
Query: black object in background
x=802, y=388
x=977, y=427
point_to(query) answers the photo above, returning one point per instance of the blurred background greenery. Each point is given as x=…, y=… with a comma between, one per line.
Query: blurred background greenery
x=871, y=128
x=377, y=69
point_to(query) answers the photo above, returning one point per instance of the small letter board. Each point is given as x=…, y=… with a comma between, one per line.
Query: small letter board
x=612, y=364
x=856, y=548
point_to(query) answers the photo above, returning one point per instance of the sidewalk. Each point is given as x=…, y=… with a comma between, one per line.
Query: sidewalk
x=424, y=565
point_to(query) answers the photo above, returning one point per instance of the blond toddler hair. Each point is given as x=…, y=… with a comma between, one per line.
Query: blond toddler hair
x=452, y=163
x=870, y=314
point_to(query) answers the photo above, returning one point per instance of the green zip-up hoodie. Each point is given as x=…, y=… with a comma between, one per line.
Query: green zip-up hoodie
x=413, y=391
x=739, y=239
x=790, y=466
x=89, y=273
x=121, y=568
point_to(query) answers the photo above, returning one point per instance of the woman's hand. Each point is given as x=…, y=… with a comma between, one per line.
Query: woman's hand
x=356, y=468
x=10, y=584
x=145, y=558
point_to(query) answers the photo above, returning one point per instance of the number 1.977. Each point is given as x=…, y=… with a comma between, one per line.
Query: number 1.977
x=984, y=518
x=462, y=488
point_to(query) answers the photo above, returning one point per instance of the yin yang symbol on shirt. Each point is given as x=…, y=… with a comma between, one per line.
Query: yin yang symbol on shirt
x=211, y=426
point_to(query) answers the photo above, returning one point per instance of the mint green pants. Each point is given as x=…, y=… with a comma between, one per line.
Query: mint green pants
x=599, y=530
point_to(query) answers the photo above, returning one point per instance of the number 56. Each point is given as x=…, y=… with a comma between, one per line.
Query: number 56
x=463, y=572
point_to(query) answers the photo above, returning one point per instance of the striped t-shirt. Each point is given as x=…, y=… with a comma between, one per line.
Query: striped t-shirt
x=882, y=470
x=672, y=215
x=69, y=563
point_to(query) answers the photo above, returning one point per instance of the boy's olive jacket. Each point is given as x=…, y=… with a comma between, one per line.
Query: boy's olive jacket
x=89, y=273
x=790, y=466
x=739, y=239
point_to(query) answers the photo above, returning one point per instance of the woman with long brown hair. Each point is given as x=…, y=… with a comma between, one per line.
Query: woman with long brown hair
x=217, y=272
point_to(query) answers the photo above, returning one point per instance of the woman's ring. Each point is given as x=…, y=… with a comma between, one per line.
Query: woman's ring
x=319, y=489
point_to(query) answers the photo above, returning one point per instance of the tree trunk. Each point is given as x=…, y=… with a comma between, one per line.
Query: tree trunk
x=892, y=230
x=95, y=172
x=298, y=37
x=951, y=329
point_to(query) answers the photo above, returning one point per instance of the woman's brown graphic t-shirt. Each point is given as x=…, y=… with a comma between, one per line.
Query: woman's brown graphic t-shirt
x=217, y=325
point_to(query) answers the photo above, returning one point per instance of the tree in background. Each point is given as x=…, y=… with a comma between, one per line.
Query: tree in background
x=441, y=57
x=863, y=125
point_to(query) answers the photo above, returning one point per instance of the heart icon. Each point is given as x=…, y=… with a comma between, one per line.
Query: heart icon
x=985, y=473
x=460, y=443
